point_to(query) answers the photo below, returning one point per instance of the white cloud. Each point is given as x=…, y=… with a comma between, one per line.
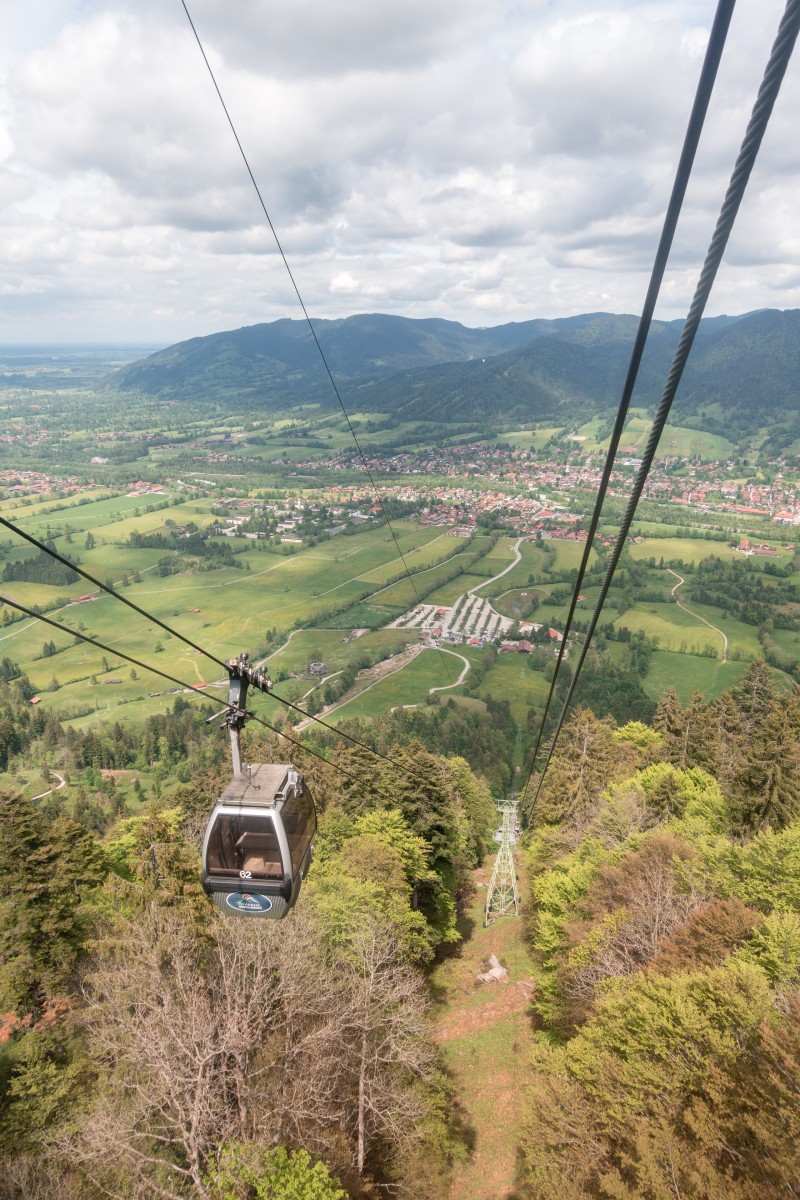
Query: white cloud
x=458, y=159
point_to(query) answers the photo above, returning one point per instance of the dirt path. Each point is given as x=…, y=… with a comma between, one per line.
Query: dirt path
x=485, y=1034
x=697, y=616
x=446, y=686
x=61, y=783
x=510, y=567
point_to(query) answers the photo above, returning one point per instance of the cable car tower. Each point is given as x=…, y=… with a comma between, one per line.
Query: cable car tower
x=502, y=897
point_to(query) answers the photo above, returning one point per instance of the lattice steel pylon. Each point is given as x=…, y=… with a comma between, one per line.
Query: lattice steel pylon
x=503, y=894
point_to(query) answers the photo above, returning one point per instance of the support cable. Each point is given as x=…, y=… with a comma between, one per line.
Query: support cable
x=136, y=662
x=304, y=310
x=705, y=87
x=756, y=128
x=167, y=628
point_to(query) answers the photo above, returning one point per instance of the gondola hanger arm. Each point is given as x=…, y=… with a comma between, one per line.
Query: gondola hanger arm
x=240, y=676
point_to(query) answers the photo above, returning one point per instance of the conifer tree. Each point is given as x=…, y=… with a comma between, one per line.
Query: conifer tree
x=767, y=785
x=754, y=694
x=44, y=874
x=580, y=770
x=668, y=721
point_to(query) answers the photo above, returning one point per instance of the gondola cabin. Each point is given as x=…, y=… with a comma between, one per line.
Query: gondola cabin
x=258, y=842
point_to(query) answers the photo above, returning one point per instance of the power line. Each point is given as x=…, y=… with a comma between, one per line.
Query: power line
x=301, y=302
x=705, y=88
x=756, y=128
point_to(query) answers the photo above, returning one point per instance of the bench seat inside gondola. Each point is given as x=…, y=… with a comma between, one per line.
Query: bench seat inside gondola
x=258, y=853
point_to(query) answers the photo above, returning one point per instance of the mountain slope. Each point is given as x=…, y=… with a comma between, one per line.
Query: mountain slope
x=743, y=373
x=279, y=361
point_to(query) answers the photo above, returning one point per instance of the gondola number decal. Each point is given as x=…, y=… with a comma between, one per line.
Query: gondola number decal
x=245, y=874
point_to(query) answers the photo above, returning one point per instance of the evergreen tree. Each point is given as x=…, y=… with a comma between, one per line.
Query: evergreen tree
x=699, y=744
x=580, y=770
x=767, y=785
x=44, y=875
x=668, y=721
x=753, y=695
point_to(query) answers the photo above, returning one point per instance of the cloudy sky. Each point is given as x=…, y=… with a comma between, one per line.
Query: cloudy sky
x=481, y=160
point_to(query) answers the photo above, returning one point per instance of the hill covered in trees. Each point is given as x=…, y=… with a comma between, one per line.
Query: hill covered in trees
x=151, y=1047
x=742, y=373
x=666, y=926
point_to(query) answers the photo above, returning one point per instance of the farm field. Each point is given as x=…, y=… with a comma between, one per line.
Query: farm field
x=568, y=554
x=409, y=686
x=226, y=610
x=439, y=549
x=448, y=593
x=675, y=440
x=689, y=550
x=320, y=592
x=687, y=674
x=529, y=439
x=405, y=594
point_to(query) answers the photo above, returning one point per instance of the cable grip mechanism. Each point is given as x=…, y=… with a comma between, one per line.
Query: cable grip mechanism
x=240, y=676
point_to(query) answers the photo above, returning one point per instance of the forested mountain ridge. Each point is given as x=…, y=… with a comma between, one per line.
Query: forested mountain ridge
x=742, y=371
x=280, y=361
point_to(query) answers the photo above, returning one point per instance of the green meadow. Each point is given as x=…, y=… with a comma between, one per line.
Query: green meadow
x=306, y=601
x=689, y=550
x=410, y=686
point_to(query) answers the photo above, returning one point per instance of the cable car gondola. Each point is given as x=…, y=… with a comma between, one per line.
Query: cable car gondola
x=259, y=839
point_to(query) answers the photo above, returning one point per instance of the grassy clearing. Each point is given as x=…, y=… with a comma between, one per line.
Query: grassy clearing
x=448, y=593
x=675, y=629
x=528, y=439
x=515, y=603
x=676, y=439
x=569, y=554
x=404, y=594
x=484, y=1032
x=694, y=442
x=407, y=686
x=529, y=567
x=687, y=674
x=741, y=638
x=439, y=548
x=689, y=550
x=512, y=679
x=788, y=641
x=327, y=645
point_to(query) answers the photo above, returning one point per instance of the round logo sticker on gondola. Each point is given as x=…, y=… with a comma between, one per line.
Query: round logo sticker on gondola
x=246, y=902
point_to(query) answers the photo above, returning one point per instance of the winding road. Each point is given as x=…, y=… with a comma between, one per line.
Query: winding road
x=697, y=616
x=445, y=687
x=510, y=567
x=61, y=783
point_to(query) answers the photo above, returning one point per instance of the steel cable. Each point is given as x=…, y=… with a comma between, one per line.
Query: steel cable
x=705, y=87
x=304, y=310
x=767, y=95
